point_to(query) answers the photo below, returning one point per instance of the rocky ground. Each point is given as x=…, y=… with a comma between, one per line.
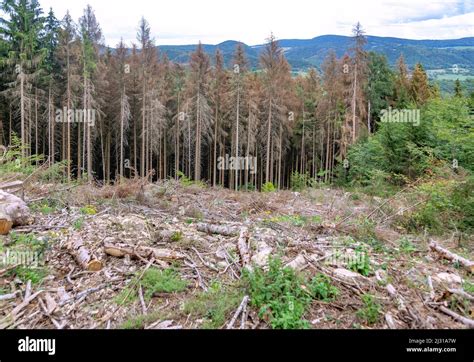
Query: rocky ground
x=172, y=256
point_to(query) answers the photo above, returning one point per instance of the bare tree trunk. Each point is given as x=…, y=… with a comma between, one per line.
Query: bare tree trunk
x=354, y=94
x=269, y=127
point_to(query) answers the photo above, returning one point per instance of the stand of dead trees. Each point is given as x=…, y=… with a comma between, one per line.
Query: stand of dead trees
x=107, y=114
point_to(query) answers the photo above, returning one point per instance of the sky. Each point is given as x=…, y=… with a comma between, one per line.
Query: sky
x=178, y=22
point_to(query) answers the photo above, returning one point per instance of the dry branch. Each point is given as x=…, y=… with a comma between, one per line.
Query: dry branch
x=466, y=321
x=120, y=250
x=467, y=264
x=239, y=310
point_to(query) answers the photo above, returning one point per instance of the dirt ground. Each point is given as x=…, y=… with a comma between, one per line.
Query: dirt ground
x=411, y=282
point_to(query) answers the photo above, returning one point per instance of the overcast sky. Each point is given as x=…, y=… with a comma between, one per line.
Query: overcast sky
x=251, y=21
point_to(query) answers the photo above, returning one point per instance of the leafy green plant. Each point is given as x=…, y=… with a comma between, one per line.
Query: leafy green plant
x=78, y=223
x=468, y=287
x=268, y=187
x=370, y=313
x=183, y=179
x=299, y=181
x=407, y=247
x=35, y=275
x=88, y=210
x=322, y=289
x=29, y=241
x=278, y=295
x=360, y=263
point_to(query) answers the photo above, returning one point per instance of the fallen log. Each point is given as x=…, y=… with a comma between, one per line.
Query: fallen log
x=11, y=187
x=466, y=321
x=462, y=294
x=83, y=256
x=120, y=250
x=225, y=230
x=465, y=263
x=13, y=212
x=243, y=248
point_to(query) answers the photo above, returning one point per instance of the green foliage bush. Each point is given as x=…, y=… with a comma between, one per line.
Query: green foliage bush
x=268, y=187
x=299, y=181
x=448, y=205
x=280, y=296
x=399, y=152
x=370, y=313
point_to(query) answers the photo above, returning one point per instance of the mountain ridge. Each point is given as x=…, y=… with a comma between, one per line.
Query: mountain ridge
x=302, y=54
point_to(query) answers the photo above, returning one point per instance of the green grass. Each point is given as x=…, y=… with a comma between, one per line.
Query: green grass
x=214, y=305
x=296, y=220
x=140, y=321
x=157, y=281
x=153, y=282
x=177, y=236
x=35, y=275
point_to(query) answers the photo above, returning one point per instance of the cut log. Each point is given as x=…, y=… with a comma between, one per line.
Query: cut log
x=6, y=224
x=14, y=210
x=83, y=256
x=243, y=248
x=465, y=263
x=120, y=250
x=225, y=230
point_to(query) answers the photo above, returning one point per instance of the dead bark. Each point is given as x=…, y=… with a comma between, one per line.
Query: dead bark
x=225, y=230
x=243, y=248
x=467, y=264
x=120, y=250
x=83, y=256
x=13, y=212
x=239, y=310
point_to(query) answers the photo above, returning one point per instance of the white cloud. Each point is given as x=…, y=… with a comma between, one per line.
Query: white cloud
x=251, y=21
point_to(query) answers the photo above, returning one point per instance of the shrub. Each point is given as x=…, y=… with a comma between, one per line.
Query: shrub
x=370, y=313
x=321, y=288
x=268, y=187
x=299, y=181
x=278, y=295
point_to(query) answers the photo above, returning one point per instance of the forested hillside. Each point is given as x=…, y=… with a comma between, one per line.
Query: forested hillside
x=214, y=182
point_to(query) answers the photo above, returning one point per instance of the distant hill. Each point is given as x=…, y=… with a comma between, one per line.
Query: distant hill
x=437, y=56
